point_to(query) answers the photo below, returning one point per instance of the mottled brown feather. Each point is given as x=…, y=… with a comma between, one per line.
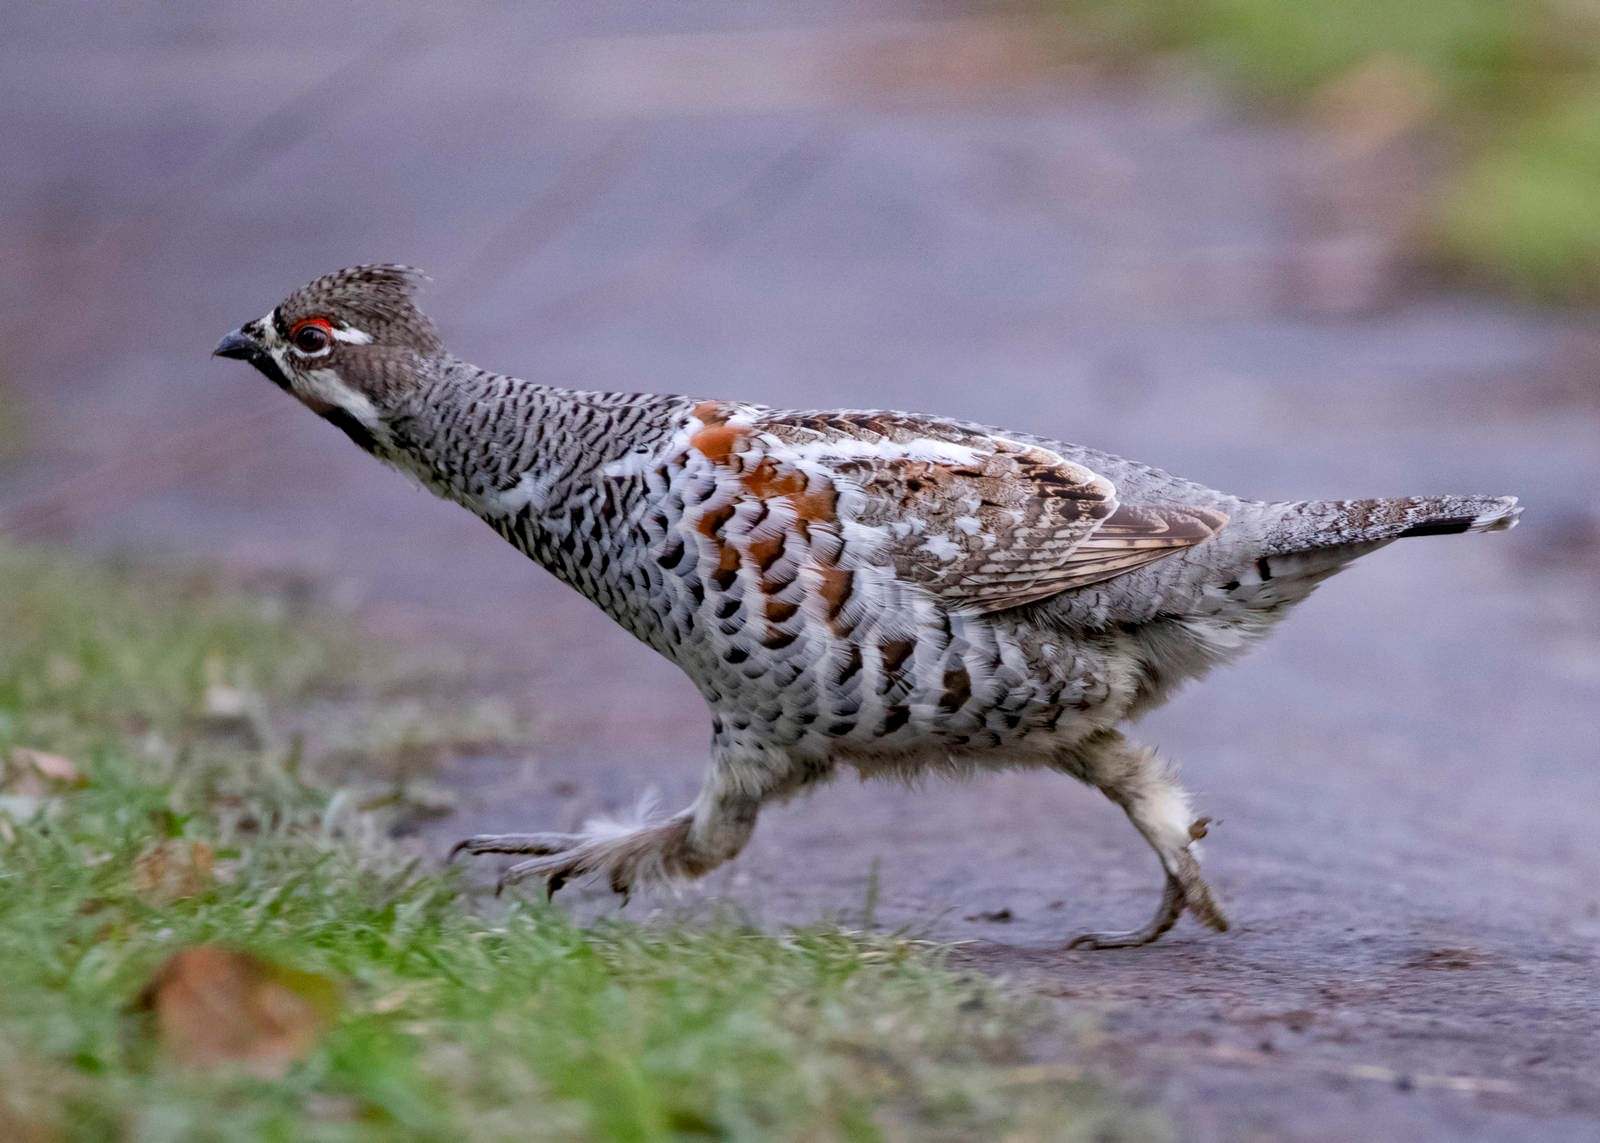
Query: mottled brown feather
x=1011, y=524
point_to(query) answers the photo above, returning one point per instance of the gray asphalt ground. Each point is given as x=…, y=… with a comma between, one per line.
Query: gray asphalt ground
x=904, y=206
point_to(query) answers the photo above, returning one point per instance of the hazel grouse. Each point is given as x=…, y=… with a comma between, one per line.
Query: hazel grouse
x=886, y=591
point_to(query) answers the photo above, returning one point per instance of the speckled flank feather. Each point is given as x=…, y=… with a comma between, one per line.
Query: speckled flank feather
x=889, y=591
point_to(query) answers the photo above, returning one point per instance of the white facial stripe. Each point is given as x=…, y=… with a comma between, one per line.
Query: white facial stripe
x=349, y=334
x=325, y=386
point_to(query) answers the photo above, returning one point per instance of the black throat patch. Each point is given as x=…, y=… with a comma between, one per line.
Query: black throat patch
x=352, y=428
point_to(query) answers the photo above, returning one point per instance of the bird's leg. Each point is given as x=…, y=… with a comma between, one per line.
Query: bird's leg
x=1148, y=792
x=686, y=845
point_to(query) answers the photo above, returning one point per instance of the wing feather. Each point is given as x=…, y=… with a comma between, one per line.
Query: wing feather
x=984, y=522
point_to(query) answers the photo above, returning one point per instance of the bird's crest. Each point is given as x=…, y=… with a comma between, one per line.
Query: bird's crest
x=378, y=299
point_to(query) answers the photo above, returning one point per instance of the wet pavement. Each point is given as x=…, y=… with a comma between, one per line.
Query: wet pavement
x=900, y=206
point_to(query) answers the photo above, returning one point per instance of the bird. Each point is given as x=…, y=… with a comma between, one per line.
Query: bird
x=887, y=592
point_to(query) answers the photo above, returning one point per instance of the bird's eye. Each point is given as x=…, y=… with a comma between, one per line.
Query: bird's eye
x=312, y=338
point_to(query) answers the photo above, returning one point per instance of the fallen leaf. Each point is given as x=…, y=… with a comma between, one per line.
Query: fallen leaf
x=168, y=871
x=217, y=1007
x=34, y=773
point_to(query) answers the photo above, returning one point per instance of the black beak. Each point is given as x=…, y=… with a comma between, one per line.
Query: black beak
x=238, y=345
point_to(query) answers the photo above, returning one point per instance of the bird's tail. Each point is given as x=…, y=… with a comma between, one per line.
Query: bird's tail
x=1304, y=543
x=1317, y=524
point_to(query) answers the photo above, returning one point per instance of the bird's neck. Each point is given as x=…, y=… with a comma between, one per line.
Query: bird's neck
x=530, y=459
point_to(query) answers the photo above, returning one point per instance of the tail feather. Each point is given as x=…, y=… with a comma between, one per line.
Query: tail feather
x=1494, y=514
x=1316, y=524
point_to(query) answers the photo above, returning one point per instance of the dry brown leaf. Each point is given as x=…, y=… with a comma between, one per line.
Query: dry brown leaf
x=34, y=773
x=171, y=870
x=216, y=1007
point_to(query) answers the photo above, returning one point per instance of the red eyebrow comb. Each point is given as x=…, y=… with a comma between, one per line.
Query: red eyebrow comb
x=303, y=322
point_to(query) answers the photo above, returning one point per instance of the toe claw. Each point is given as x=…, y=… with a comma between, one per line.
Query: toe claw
x=1096, y=941
x=540, y=844
x=553, y=886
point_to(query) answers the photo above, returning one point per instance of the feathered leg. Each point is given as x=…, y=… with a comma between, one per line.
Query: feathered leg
x=1148, y=792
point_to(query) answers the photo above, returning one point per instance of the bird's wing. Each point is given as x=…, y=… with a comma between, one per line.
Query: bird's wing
x=983, y=522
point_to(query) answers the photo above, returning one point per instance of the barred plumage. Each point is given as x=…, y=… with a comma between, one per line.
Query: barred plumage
x=881, y=590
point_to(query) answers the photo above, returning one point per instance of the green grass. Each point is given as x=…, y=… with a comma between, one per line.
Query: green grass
x=1514, y=88
x=448, y=1025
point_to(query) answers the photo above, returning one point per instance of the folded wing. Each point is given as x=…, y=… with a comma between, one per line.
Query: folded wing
x=983, y=522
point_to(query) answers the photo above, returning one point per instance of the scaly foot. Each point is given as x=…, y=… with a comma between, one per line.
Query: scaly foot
x=1166, y=916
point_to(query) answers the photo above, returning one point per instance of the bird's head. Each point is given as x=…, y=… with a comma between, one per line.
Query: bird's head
x=352, y=346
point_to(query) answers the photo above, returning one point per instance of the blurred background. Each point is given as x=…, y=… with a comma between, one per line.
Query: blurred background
x=1286, y=249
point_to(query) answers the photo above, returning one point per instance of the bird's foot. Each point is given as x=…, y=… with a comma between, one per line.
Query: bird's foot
x=542, y=845
x=1185, y=888
x=1167, y=914
x=624, y=856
